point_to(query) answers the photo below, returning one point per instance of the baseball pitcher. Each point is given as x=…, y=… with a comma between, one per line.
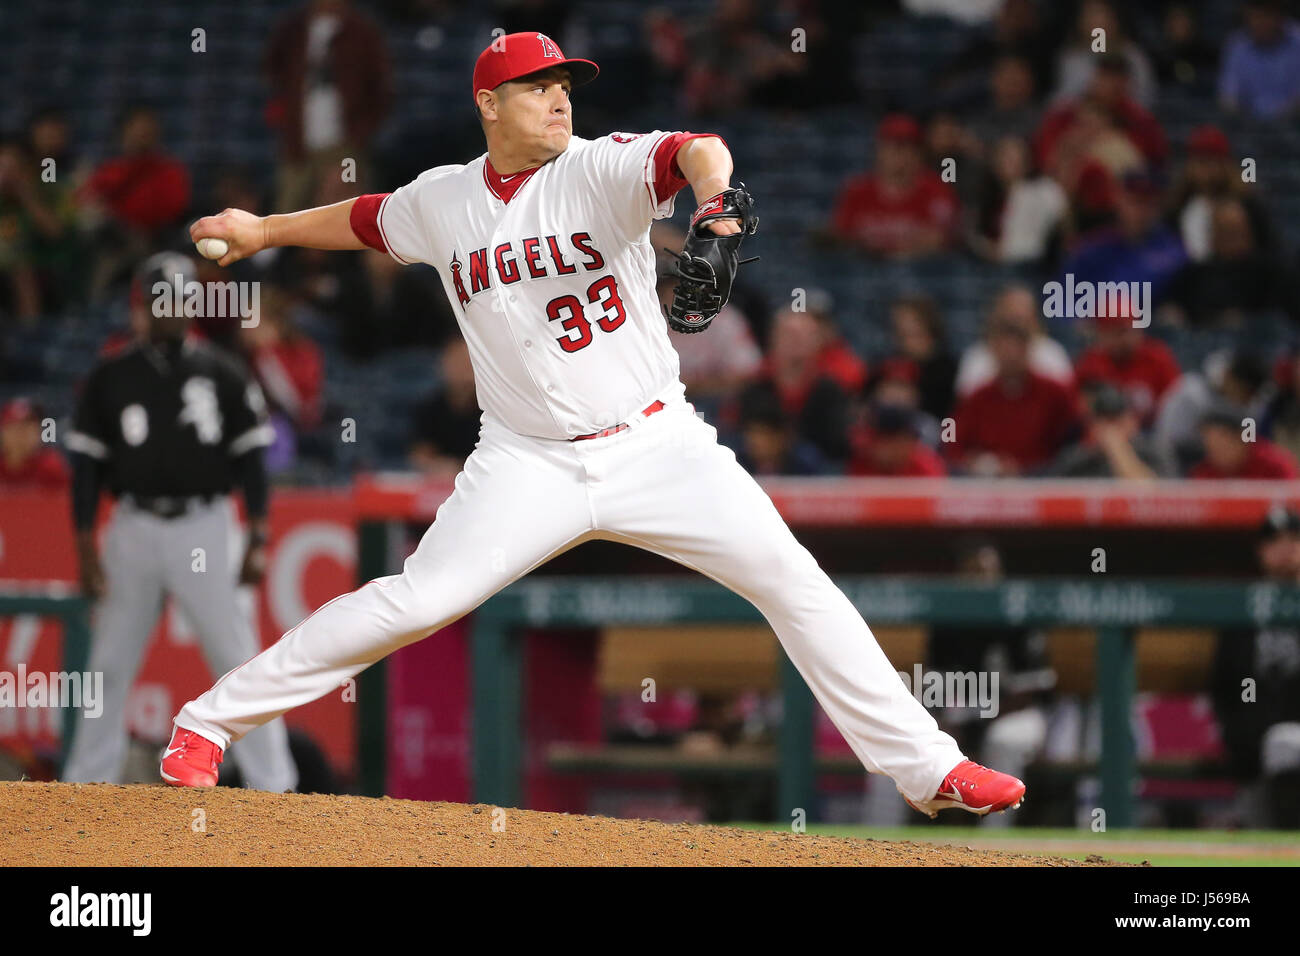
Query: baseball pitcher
x=543, y=248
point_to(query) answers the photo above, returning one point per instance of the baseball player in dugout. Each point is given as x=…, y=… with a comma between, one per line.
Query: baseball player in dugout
x=169, y=425
x=543, y=247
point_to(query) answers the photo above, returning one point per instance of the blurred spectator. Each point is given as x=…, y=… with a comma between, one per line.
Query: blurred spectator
x=25, y=460
x=1183, y=56
x=920, y=338
x=131, y=200
x=406, y=306
x=1124, y=356
x=49, y=136
x=1229, y=453
x=447, y=424
x=1140, y=247
x=1094, y=198
x=40, y=251
x=1021, y=213
x=1239, y=379
x=1018, y=30
x=835, y=356
x=336, y=288
x=731, y=59
x=1019, y=421
x=331, y=87
x=1104, y=122
x=896, y=382
x=1280, y=421
x=22, y=214
x=1015, y=304
x=717, y=364
x=900, y=210
x=889, y=444
x=290, y=369
x=1113, y=445
x=1210, y=174
x=1011, y=109
x=949, y=143
x=1260, y=75
x=769, y=443
x=816, y=406
x=1237, y=279
x=1261, y=731
x=1077, y=63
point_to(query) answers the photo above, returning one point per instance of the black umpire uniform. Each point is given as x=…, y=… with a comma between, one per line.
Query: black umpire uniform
x=169, y=426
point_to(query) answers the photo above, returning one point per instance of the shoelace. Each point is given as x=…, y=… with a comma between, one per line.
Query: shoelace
x=977, y=773
x=192, y=746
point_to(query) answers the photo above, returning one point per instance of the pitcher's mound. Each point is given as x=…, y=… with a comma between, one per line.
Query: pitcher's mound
x=63, y=824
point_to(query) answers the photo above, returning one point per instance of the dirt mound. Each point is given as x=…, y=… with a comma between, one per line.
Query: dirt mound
x=61, y=824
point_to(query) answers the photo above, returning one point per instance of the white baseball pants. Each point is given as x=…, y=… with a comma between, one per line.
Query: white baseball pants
x=145, y=559
x=663, y=484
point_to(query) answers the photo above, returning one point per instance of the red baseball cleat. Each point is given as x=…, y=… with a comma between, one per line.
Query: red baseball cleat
x=976, y=789
x=191, y=760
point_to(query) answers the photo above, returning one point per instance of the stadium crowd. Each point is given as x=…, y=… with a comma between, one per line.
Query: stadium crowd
x=1037, y=146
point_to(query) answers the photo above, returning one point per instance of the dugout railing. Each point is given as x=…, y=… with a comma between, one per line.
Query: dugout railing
x=62, y=601
x=1115, y=609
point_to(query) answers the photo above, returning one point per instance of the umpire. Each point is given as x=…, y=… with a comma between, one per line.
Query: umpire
x=169, y=425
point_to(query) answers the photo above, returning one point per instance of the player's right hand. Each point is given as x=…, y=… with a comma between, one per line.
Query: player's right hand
x=245, y=232
x=90, y=571
x=92, y=579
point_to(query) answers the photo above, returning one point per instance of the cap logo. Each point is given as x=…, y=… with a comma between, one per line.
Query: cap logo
x=549, y=49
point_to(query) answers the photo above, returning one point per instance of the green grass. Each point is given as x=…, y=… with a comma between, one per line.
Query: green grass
x=1157, y=847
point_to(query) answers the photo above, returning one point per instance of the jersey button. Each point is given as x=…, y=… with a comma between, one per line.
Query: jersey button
x=528, y=343
x=550, y=388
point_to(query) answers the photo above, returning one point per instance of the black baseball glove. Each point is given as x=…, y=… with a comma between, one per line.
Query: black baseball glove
x=706, y=267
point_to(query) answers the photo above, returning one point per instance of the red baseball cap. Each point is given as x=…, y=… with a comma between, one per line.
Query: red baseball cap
x=514, y=55
x=1208, y=141
x=900, y=128
x=19, y=410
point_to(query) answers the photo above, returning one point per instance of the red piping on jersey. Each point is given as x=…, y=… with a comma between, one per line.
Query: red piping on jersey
x=379, y=220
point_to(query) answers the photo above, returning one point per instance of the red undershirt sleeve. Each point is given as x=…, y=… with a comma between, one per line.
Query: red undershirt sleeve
x=364, y=220
x=668, y=175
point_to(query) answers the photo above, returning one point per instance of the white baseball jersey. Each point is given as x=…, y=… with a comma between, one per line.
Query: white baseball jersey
x=554, y=289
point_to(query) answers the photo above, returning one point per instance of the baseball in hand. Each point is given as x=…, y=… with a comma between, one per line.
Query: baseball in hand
x=210, y=248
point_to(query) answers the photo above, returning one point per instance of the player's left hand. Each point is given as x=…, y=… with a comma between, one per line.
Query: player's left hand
x=253, y=569
x=707, y=265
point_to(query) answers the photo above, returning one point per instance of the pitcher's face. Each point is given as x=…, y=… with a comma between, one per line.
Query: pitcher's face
x=534, y=112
